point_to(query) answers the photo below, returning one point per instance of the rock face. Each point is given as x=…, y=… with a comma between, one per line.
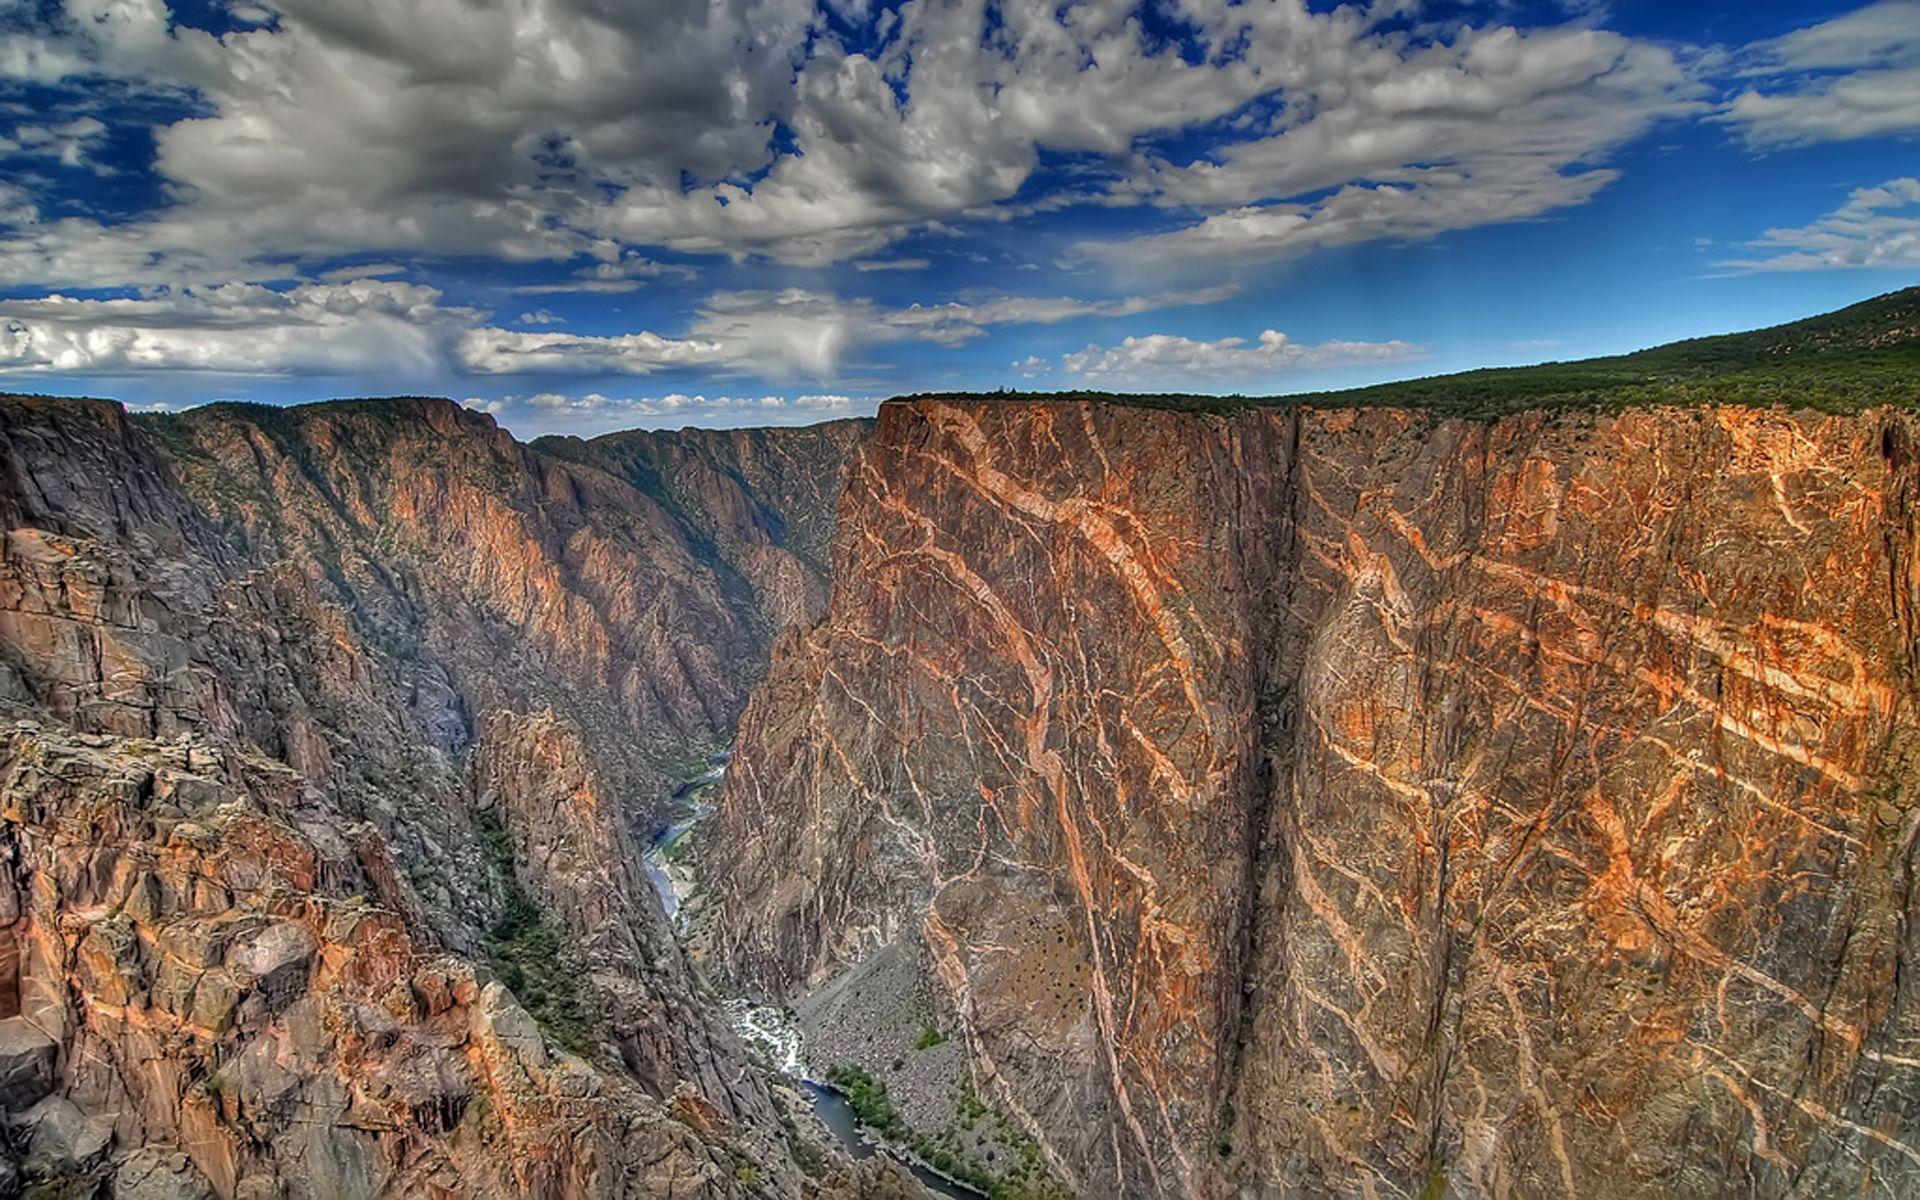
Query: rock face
x=330, y=734
x=1303, y=802
x=215, y=969
x=761, y=501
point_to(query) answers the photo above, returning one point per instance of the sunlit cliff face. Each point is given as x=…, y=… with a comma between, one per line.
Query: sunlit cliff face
x=1339, y=801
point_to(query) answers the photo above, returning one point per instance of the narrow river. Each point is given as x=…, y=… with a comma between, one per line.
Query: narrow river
x=763, y=1025
x=838, y=1116
x=775, y=1032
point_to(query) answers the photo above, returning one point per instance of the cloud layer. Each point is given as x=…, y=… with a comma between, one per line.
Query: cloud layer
x=1876, y=227
x=376, y=325
x=1182, y=361
x=781, y=189
x=566, y=130
x=1856, y=76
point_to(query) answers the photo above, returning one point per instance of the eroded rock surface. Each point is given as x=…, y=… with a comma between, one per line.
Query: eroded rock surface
x=1299, y=802
x=319, y=724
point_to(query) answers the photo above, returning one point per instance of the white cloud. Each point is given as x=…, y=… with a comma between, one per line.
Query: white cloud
x=1185, y=362
x=1852, y=77
x=1350, y=104
x=492, y=351
x=436, y=126
x=366, y=325
x=67, y=142
x=1441, y=200
x=956, y=322
x=553, y=129
x=797, y=331
x=618, y=270
x=404, y=330
x=594, y=412
x=1876, y=227
x=540, y=316
x=1492, y=127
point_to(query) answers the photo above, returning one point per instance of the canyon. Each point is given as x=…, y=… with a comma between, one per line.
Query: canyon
x=1486, y=786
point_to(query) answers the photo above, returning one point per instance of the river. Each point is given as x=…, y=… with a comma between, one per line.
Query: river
x=775, y=1032
x=760, y=1024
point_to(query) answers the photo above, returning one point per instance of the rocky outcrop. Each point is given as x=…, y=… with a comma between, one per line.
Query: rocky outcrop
x=570, y=850
x=214, y=969
x=1302, y=802
x=341, y=725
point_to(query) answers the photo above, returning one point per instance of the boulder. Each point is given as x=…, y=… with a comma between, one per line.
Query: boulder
x=62, y=1140
x=276, y=959
x=153, y=1173
x=26, y=1063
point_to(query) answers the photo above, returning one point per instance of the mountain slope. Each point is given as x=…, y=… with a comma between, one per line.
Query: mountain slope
x=364, y=704
x=1864, y=355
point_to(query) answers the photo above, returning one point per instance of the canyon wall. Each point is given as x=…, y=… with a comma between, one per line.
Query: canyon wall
x=332, y=735
x=1303, y=802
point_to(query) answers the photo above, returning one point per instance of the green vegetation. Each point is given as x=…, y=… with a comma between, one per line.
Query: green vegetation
x=1024, y=1177
x=868, y=1099
x=1859, y=357
x=523, y=951
x=929, y=1038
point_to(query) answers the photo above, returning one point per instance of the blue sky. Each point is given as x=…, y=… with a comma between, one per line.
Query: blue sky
x=584, y=215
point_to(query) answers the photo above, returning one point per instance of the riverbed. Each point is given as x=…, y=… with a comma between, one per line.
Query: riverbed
x=772, y=1029
x=671, y=880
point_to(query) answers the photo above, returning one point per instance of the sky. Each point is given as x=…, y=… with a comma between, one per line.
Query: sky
x=586, y=215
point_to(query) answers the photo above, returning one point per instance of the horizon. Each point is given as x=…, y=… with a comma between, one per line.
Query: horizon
x=795, y=212
x=872, y=411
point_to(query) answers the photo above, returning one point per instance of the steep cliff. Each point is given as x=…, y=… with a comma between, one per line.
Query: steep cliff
x=760, y=501
x=1321, y=799
x=339, y=728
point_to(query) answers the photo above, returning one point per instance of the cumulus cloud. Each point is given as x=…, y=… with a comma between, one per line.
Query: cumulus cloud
x=240, y=328
x=1494, y=126
x=950, y=117
x=66, y=142
x=438, y=126
x=1876, y=227
x=406, y=330
x=1160, y=357
x=1852, y=77
x=592, y=413
x=551, y=129
x=365, y=326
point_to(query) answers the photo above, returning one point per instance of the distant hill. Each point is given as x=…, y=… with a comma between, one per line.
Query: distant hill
x=1861, y=356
